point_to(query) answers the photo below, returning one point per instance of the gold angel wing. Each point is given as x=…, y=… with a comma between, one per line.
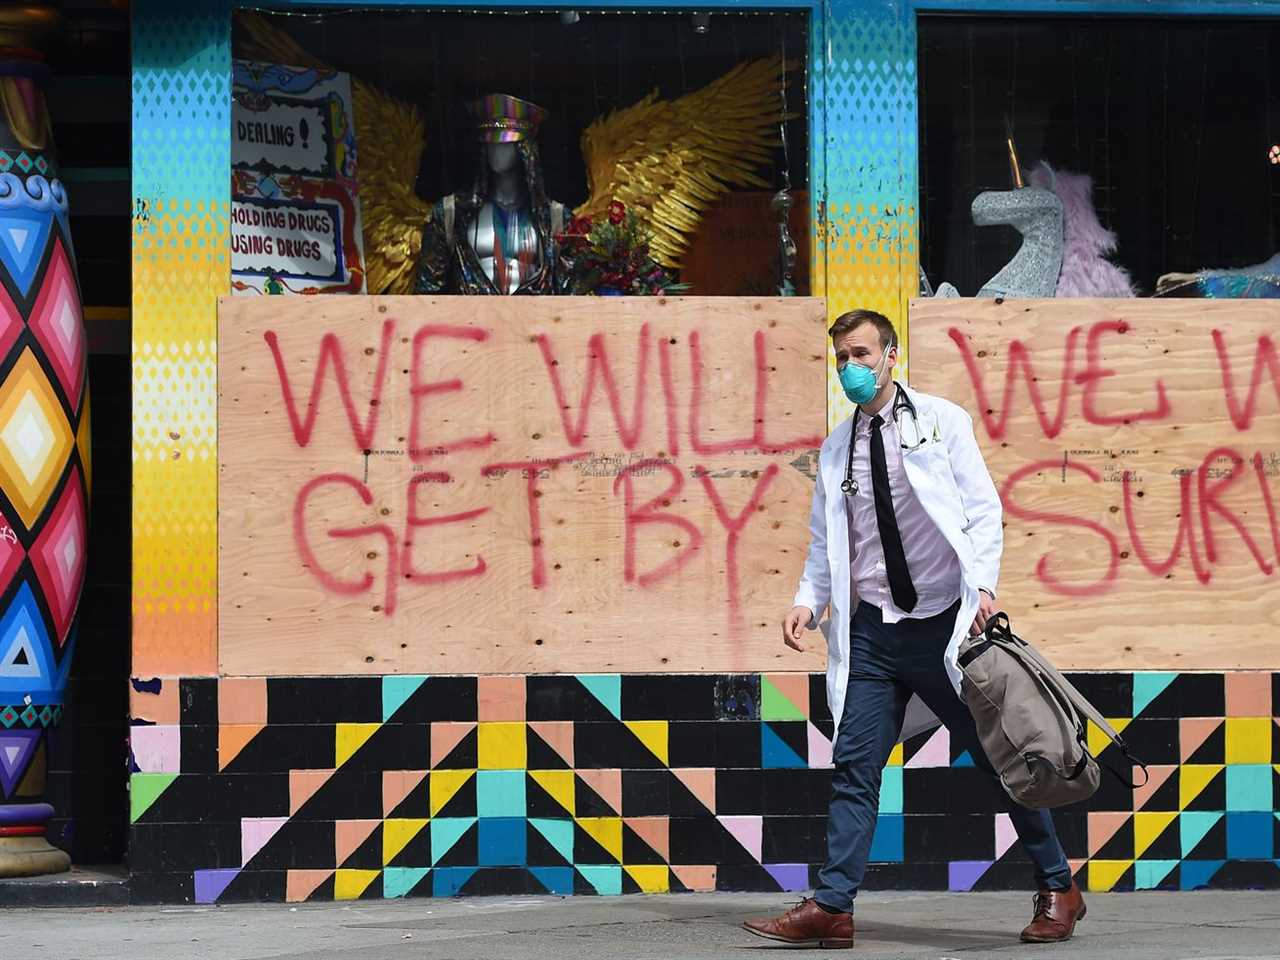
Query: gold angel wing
x=671, y=160
x=390, y=138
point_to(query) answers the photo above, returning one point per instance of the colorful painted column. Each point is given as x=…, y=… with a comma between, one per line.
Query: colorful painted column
x=863, y=167
x=44, y=445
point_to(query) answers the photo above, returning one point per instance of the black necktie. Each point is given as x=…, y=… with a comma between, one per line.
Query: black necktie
x=895, y=559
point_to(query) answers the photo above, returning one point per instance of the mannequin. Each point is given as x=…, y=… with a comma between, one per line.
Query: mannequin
x=500, y=237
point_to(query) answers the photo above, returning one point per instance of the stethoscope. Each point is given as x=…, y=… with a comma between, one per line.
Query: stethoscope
x=901, y=402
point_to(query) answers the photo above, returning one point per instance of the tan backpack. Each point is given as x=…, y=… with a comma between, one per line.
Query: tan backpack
x=1031, y=720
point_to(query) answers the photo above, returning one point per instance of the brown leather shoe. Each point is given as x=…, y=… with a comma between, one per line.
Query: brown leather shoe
x=806, y=924
x=1055, y=915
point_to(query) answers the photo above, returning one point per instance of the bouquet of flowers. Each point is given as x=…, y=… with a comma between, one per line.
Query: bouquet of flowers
x=610, y=257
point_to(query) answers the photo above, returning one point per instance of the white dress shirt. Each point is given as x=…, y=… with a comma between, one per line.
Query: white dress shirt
x=934, y=566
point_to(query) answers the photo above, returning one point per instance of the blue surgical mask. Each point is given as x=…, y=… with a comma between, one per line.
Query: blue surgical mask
x=860, y=383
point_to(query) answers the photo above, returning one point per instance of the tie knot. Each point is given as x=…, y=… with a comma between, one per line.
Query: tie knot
x=876, y=422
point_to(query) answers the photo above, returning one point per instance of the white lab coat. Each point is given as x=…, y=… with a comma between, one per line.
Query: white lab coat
x=950, y=479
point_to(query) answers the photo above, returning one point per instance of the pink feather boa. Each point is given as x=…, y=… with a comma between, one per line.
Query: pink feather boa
x=1086, y=271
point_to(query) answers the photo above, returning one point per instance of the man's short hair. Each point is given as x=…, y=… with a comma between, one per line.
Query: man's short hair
x=848, y=322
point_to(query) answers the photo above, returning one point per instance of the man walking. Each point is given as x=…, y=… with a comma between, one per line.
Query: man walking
x=905, y=550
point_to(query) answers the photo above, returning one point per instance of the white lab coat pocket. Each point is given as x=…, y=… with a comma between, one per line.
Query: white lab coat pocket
x=930, y=456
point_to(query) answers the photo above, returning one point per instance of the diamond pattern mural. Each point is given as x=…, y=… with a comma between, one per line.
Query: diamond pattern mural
x=11, y=322
x=57, y=324
x=43, y=430
x=366, y=787
x=17, y=749
x=11, y=549
x=181, y=265
x=23, y=234
x=35, y=438
x=866, y=99
x=29, y=665
x=58, y=554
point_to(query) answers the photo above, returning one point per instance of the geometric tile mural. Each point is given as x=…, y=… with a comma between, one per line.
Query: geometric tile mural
x=368, y=787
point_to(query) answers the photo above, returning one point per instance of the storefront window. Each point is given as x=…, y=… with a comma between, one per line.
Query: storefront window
x=1172, y=122
x=459, y=152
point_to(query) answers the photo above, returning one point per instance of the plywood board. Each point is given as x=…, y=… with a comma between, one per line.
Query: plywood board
x=466, y=510
x=1136, y=445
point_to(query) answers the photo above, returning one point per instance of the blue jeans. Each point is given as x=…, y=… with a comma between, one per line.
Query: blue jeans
x=889, y=662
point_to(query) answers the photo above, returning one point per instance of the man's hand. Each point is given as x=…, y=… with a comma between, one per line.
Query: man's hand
x=986, y=610
x=793, y=625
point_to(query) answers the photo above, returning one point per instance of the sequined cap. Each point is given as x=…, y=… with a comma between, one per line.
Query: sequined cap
x=501, y=118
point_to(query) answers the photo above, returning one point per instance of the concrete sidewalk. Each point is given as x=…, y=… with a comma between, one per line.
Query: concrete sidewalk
x=1216, y=925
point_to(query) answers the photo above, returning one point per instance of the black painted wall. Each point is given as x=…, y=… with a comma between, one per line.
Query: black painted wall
x=89, y=100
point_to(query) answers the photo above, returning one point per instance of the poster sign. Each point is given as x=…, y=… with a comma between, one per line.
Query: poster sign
x=284, y=137
x=295, y=211
x=296, y=231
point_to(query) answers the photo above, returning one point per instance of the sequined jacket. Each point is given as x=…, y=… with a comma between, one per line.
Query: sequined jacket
x=448, y=264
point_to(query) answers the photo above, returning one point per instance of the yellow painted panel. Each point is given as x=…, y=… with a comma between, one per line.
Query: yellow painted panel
x=559, y=784
x=1147, y=827
x=1103, y=874
x=1194, y=777
x=350, y=737
x=502, y=746
x=396, y=835
x=1248, y=740
x=651, y=879
x=443, y=784
x=653, y=734
x=349, y=884
x=606, y=831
